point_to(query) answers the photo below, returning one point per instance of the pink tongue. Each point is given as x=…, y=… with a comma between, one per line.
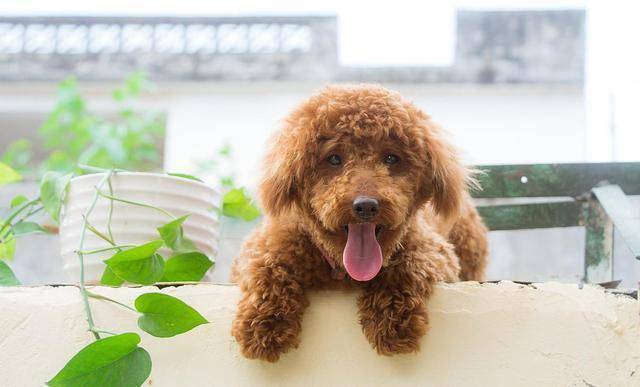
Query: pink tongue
x=362, y=256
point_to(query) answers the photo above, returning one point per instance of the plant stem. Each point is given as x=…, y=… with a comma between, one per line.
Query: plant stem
x=83, y=290
x=25, y=217
x=32, y=212
x=22, y=219
x=101, y=297
x=95, y=330
x=134, y=203
x=110, y=212
x=114, y=247
x=99, y=234
x=89, y=168
x=17, y=212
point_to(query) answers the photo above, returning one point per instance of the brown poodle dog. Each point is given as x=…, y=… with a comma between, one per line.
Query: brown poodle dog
x=360, y=189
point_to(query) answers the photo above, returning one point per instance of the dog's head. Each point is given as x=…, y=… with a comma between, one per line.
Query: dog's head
x=356, y=164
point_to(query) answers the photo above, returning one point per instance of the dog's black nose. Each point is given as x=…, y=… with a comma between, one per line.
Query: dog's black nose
x=365, y=207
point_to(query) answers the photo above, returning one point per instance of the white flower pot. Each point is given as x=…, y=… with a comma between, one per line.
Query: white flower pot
x=131, y=224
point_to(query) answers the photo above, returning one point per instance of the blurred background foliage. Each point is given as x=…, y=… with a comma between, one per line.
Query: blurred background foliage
x=72, y=134
x=133, y=140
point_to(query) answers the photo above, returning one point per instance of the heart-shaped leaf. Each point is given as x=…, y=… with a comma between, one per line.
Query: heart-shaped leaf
x=237, y=204
x=172, y=234
x=52, y=188
x=7, y=248
x=166, y=316
x=8, y=174
x=139, y=265
x=23, y=228
x=190, y=266
x=115, y=361
x=7, y=278
x=110, y=278
x=7, y=242
x=18, y=200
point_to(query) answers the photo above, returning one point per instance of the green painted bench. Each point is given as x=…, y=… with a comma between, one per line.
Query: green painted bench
x=592, y=195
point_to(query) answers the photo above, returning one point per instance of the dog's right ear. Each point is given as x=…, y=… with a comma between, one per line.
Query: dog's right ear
x=281, y=174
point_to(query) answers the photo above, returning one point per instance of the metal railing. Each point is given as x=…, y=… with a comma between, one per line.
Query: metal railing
x=172, y=47
x=592, y=195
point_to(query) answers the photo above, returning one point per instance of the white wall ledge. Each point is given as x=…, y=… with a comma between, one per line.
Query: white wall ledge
x=491, y=334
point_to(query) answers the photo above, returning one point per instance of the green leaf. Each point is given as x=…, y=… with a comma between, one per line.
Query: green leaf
x=8, y=248
x=227, y=181
x=185, y=176
x=52, y=188
x=59, y=161
x=18, y=200
x=166, y=316
x=135, y=83
x=119, y=95
x=139, y=265
x=110, y=278
x=186, y=267
x=18, y=154
x=8, y=174
x=225, y=150
x=237, y=204
x=7, y=278
x=23, y=228
x=7, y=242
x=172, y=234
x=115, y=361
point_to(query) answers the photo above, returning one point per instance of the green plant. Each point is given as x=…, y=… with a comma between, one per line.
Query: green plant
x=18, y=155
x=7, y=278
x=72, y=134
x=236, y=201
x=115, y=360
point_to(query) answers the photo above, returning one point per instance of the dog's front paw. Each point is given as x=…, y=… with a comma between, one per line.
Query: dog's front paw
x=393, y=327
x=265, y=335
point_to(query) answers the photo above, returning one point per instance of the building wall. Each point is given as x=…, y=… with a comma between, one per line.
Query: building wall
x=490, y=124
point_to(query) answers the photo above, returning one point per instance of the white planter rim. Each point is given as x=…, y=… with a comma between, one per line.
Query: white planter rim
x=148, y=174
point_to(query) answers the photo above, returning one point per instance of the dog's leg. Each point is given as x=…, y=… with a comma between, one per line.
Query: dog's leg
x=469, y=236
x=268, y=319
x=273, y=284
x=393, y=315
x=392, y=308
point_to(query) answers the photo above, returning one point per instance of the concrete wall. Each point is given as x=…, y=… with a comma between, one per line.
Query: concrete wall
x=481, y=335
x=516, y=46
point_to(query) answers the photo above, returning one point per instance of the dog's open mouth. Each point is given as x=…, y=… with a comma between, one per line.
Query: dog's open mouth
x=362, y=256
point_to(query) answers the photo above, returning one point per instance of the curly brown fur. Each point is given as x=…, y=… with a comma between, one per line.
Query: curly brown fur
x=429, y=229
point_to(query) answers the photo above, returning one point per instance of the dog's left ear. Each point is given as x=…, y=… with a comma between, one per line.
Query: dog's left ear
x=447, y=181
x=279, y=186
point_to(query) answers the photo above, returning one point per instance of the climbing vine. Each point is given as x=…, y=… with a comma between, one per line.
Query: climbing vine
x=113, y=358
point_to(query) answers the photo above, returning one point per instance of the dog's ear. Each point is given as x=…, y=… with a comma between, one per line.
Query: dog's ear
x=446, y=180
x=278, y=189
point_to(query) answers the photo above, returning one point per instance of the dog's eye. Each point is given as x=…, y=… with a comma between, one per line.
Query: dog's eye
x=334, y=160
x=391, y=159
